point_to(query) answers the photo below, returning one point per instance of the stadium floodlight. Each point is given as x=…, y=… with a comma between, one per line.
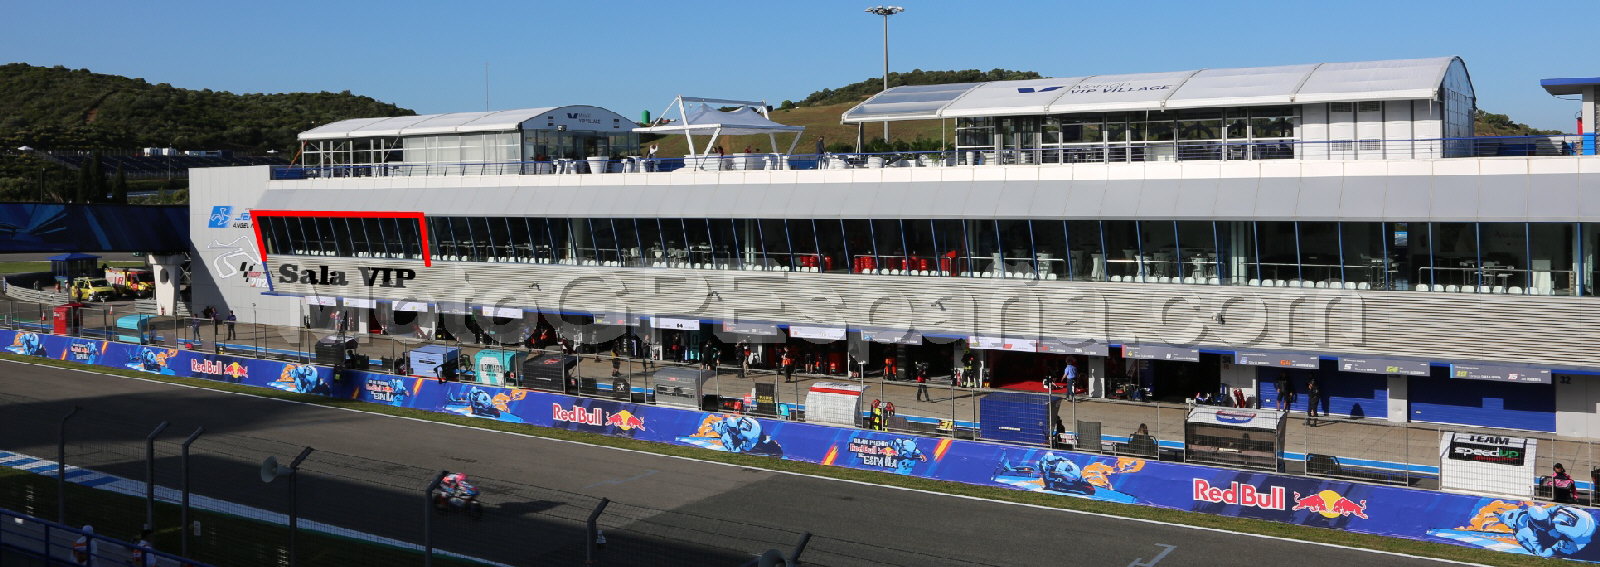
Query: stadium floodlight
x=885, y=11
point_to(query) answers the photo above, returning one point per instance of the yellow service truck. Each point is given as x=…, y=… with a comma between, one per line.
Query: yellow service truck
x=92, y=289
x=132, y=282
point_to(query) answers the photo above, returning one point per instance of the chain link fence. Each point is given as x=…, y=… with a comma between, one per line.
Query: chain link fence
x=352, y=509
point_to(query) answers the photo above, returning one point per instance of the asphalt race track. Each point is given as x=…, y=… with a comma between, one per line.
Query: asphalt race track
x=369, y=472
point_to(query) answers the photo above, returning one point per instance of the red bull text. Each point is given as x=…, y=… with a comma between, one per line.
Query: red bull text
x=1273, y=498
x=581, y=416
x=199, y=366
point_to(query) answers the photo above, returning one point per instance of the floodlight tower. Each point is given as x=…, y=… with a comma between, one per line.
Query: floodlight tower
x=885, y=11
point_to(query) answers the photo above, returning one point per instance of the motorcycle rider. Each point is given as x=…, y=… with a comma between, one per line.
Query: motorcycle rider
x=452, y=485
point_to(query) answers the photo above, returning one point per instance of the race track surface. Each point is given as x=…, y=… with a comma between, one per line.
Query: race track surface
x=369, y=471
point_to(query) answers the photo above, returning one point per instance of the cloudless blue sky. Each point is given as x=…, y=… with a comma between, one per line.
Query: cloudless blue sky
x=630, y=56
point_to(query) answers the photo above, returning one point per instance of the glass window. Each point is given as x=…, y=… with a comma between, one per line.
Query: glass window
x=954, y=254
x=775, y=244
x=859, y=244
x=725, y=243
x=518, y=247
x=361, y=236
x=441, y=243
x=629, y=242
x=831, y=243
x=674, y=249
x=698, y=236
x=1277, y=249
x=1275, y=122
x=1455, y=256
x=921, y=247
x=1016, y=240
x=1238, y=128
x=1122, y=250
x=605, y=241
x=1159, y=240
x=1197, y=252
x=1552, y=262
x=890, y=250
x=1050, y=248
x=569, y=239
x=1505, y=255
x=478, y=244
x=1158, y=127
x=1087, y=260
x=748, y=236
x=1365, y=263
x=500, y=238
x=1321, y=262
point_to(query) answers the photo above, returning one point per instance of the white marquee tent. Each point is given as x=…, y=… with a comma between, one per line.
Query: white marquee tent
x=697, y=117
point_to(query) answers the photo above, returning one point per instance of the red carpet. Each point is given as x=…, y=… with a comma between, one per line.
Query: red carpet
x=1027, y=386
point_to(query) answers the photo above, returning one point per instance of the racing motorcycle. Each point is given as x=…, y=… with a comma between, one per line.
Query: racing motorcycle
x=463, y=498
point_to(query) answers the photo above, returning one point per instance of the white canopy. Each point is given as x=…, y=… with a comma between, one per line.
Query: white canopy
x=913, y=102
x=1403, y=79
x=746, y=118
x=705, y=121
x=451, y=123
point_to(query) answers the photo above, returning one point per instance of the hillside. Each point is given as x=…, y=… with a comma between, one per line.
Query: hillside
x=57, y=108
x=1491, y=124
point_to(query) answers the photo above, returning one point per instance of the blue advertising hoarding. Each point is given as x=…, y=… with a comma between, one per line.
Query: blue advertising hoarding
x=1508, y=525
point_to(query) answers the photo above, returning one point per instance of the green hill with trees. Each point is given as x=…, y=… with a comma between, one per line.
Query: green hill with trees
x=56, y=108
x=60, y=109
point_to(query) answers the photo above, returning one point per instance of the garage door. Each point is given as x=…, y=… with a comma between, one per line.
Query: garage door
x=1344, y=393
x=1483, y=403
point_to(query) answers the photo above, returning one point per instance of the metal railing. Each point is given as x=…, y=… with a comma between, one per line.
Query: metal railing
x=50, y=543
x=1129, y=152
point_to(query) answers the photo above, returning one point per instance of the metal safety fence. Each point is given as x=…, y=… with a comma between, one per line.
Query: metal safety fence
x=350, y=509
x=1358, y=449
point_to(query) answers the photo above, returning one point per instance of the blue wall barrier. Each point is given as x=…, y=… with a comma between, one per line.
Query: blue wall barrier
x=54, y=227
x=1509, y=525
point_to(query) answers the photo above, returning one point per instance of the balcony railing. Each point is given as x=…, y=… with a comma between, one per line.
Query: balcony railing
x=1552, y=145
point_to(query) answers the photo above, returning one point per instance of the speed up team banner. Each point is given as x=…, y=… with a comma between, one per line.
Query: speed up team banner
x=1502, y=524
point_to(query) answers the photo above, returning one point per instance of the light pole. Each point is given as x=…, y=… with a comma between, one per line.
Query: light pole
x=885, y=11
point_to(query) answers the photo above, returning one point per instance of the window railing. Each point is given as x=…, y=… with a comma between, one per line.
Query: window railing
x=1120, y=152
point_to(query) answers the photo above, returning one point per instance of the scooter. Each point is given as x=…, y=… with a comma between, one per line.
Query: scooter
x=463, y=498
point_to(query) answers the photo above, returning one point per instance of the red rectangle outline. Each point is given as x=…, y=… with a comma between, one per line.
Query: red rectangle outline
x=422, y=224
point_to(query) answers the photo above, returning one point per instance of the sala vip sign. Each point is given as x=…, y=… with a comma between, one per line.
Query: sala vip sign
x=370, y=277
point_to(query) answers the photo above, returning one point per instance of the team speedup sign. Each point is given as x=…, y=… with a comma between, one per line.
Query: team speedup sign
x=1492, y=464
x=1487, y=449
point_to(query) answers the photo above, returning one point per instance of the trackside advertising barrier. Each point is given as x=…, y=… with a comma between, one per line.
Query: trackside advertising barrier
x=1503, y=524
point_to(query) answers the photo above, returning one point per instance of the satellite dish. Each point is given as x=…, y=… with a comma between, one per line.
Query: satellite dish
x=270, y=469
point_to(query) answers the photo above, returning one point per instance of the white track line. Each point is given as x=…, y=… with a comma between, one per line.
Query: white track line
x=808, y=475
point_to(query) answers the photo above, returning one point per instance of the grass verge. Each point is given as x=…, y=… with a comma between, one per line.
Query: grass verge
x=1275, y=529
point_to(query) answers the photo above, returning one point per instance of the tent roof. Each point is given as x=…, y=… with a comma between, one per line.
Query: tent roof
x=1400, y=79
x=451, y=123
x=72, y=256
x=704, y=120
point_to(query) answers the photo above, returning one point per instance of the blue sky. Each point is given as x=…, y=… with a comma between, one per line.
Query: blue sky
x=631, y=56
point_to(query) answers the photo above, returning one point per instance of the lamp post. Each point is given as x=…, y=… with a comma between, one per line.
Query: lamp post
x=885, y=11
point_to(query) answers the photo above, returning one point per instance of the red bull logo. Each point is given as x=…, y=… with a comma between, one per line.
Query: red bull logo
x=625, y=420
x=236, y=371
x=1272, y=498
x=1330, y=505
